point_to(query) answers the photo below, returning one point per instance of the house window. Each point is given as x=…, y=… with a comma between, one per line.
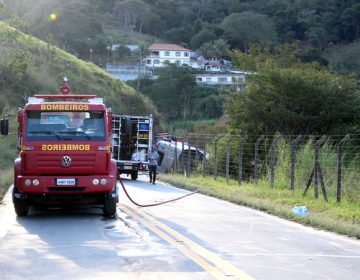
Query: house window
x=186, y=54
x=167, y=53
x=208, y=80
x=148, y=61
x=222, y=80
x=156, y=53
x=156, y=61
x=199, y=79
x=166, y=61
x=177, y=54
x=178, y=62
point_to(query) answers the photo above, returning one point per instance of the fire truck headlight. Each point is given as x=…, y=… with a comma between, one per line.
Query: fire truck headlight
x=27, y=182
x=103, y=181
x=36, y=182
x=96, y=182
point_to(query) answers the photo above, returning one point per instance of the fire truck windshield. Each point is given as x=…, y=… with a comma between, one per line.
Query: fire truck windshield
x=65, y=126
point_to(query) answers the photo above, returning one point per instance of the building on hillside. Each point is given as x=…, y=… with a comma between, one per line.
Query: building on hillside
x=160, y=54
x=213, y=66
x=236, y=78
x=128, y=72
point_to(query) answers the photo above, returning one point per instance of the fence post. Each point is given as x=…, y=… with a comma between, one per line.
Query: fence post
x=273, y=158
x=257, y=144
x=241, y=156
x=317, y=165
x=216, y=156
x=204, y=158
x=189, y=159
x=339, y=165
x=196, y=161
x=228, y=158
x=294, y=146
x=183, y=156
x=175, y=157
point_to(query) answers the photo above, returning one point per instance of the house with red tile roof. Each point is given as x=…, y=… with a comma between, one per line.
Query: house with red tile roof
x=161, y=54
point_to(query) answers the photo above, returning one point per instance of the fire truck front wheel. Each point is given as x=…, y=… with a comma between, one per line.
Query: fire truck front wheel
x=21, y=204
x=109, y=205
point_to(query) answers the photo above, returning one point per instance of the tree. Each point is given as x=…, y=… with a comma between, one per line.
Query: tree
x=172, y=92
x=133, y=13
x=217, y=48
x=299, y=99
x=244, y=28
x=202, y=37
x=351, y=20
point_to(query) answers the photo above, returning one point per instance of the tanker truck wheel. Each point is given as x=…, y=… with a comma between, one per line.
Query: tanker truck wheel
x=21, y=204
x=109, y=205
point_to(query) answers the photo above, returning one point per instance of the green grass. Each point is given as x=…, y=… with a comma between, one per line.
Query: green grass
x=6, y=180
x=49, y=64
x=343, y=219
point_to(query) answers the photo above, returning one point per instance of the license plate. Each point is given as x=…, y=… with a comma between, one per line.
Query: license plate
x=65, y=182
x=127, y=167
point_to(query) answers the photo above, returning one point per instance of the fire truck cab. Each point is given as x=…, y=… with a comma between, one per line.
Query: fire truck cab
x=65, y=157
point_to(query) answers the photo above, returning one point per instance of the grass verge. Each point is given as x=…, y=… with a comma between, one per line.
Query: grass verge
x=343, y=218
x=6, y=180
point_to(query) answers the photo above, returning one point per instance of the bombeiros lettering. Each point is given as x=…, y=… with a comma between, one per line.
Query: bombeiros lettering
x=64, y=107
x=65, y=147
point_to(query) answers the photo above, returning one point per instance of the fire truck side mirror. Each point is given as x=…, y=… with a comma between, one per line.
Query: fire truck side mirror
x=4, y=126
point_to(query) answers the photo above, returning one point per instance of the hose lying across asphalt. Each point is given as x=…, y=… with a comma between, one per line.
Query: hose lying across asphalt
x=153, y=204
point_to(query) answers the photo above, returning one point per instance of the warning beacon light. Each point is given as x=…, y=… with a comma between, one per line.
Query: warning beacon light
x=65, y=89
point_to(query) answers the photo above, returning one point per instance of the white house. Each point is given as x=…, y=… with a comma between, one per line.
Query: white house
x=213, y=66
x=160, y=54
x=221, y=79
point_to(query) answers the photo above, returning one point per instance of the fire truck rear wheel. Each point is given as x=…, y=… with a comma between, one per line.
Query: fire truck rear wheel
x=109, y=206
x=21, y=205
x=134, y=175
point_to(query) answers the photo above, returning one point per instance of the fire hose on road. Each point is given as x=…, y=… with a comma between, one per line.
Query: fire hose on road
x=152, y=204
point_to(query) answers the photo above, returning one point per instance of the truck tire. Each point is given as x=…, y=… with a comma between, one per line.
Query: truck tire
x=109, y=206
x=134, y=175
x=21, y=205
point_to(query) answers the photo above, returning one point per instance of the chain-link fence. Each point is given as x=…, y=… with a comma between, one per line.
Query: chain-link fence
x=326, y=165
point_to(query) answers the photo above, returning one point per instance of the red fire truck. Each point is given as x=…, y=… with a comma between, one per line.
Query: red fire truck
x=65, y=155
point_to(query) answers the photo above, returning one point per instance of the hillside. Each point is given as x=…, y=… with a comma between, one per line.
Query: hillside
x=29, y=66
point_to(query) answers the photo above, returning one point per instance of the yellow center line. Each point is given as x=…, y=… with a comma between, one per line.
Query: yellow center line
x=196, y=248
x=200, y=261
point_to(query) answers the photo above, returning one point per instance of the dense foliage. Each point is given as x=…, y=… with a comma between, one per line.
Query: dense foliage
x=290, y=97
x=85, y=24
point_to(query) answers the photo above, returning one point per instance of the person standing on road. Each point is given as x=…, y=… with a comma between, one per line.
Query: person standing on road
x=153, y=157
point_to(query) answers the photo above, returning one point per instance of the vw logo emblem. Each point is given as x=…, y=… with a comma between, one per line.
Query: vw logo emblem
x=65, y=161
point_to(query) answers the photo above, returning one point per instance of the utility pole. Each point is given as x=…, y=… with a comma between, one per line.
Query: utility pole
x=108, y=56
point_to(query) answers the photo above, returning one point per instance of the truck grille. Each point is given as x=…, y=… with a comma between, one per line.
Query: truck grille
x=78, y=162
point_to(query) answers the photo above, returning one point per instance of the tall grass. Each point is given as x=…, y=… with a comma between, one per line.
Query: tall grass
x=304, y=164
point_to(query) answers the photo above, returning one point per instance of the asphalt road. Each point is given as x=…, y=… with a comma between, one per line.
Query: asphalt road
x=194, y=238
